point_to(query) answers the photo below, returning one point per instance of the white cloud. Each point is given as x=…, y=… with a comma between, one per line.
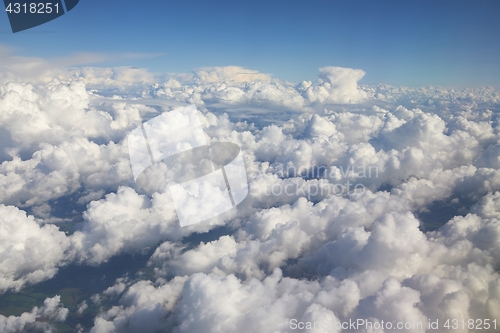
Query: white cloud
x=229, y=74
x=36, y=319
x=338, y=85
x=29, y=252
x=35, y=70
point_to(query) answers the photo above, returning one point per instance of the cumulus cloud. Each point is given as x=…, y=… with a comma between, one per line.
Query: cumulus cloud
x=52, y=310
x=229, y=74
x=337, y=85
x=385, y=210
x=29, y=252
x=33, y=69
x=122, y=221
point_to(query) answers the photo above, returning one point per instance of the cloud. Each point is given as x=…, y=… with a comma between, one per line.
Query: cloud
x=29, y=252
x=35, y=69
x=39, y=318
x=120, y=222
x=229, y=74
x=337, y=85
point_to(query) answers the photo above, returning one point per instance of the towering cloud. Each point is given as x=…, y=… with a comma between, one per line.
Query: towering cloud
x=338, y=85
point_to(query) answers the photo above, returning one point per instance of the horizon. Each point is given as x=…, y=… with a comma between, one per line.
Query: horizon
x=447, y=44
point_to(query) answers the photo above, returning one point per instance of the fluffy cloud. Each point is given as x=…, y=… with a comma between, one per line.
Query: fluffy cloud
x=38, y=318
x=337, y=85
x=122, y=221
x=29, y=252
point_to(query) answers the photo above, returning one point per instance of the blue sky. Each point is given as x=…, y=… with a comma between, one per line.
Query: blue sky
x=447, y=43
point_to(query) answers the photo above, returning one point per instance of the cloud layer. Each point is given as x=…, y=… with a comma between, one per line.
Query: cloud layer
x=366, y=202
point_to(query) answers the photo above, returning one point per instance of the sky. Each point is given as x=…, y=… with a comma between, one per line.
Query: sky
x=346, y=200
x=413, y=43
